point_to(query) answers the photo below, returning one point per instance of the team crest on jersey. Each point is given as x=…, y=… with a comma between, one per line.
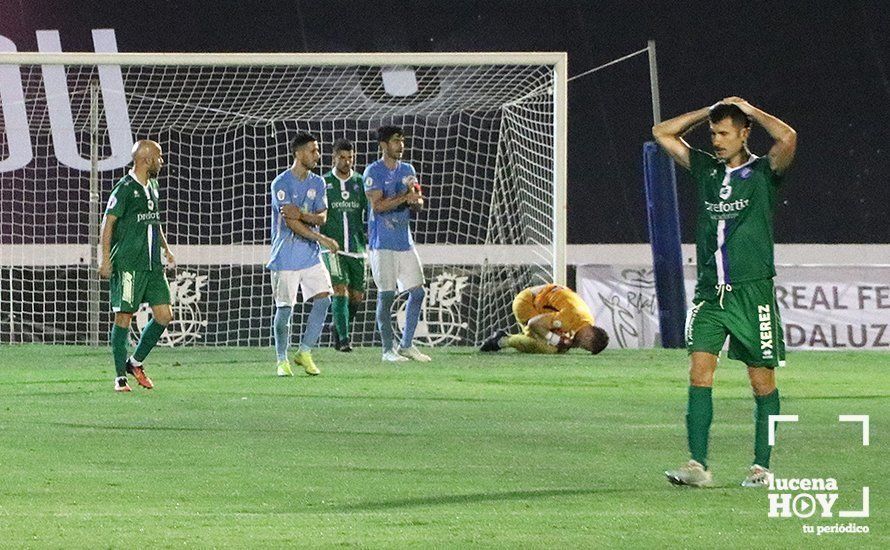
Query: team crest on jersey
x=345, y=195
x=151, y=204
x=310, y=194
x=725, y=191
x=280, y=194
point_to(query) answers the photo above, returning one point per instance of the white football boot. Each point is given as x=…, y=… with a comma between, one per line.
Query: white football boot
x=758, y=476
x=391, y=356
x=692, y=473
x=413, y=354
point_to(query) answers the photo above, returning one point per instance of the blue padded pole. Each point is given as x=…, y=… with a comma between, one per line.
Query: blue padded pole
x=664, y=234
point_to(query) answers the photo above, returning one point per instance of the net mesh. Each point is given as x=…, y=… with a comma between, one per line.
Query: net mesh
x=480, y=138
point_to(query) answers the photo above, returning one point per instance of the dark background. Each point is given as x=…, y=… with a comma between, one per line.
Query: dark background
x=820, y=66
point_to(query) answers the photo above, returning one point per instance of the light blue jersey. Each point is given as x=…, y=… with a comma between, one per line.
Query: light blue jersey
x=389, y=230
x=289, y=250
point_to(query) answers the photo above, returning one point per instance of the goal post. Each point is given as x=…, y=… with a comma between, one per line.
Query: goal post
x=485, y=131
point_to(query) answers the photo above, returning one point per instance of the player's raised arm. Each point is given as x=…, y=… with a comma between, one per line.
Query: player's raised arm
x=781, y=154
x=669, y=134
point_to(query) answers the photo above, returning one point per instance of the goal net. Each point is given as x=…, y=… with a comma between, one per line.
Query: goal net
x=484, y=131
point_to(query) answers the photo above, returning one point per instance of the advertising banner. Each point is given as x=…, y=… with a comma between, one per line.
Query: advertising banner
x=822, y=307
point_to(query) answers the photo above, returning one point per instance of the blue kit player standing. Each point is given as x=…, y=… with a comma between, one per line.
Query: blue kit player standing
x=299, y=206
x=393, y=194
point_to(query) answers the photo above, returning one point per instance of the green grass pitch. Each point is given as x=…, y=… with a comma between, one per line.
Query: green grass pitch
x=469, y=450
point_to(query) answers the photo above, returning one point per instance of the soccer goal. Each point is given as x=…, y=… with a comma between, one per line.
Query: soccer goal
x=486, y=133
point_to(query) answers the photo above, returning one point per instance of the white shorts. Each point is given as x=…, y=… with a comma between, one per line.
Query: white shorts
x=396, y=269
x=311, y=281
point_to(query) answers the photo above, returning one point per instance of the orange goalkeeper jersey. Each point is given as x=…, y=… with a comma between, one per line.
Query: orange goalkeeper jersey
x=568, y=308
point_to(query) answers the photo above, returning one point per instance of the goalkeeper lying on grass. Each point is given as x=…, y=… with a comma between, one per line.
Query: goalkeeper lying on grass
x=553, y=319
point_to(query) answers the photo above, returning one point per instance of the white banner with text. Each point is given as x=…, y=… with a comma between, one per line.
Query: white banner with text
x=822, y=307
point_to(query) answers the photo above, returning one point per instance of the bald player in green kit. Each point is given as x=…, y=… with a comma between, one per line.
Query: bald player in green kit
x=132, y=243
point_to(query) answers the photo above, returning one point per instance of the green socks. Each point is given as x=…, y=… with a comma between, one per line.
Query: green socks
x=119, y=337
x=766, y=405
x=699, y=412
x=698, y=423
x=340, y=307
x=150, y=335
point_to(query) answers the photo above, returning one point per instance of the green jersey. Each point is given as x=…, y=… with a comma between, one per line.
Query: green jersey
x=136, y=239
x=346, y=209
x=734, y=234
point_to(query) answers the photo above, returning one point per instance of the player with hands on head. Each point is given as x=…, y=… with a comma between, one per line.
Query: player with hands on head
x=734, y=295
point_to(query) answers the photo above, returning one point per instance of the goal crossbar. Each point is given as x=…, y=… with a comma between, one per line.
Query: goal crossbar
x=442, y=59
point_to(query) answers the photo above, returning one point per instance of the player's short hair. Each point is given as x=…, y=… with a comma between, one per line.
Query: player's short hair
x=727, y=110
x=301, y=139
x=384, y=133
x=600, y=340
x=342, y=144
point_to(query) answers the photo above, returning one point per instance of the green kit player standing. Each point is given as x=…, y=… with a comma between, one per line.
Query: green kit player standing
x=132, y=240
x=734, y=293
x=346, y=225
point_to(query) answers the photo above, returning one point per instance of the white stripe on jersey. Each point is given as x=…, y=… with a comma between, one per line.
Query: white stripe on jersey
x=346, y=238
x=718, y=254
x=721, y=237
x=148, y=228
x=345, y=233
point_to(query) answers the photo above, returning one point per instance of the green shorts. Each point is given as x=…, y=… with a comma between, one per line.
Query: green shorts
x=346, y=270
x=130, y=289
x=748, y=315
